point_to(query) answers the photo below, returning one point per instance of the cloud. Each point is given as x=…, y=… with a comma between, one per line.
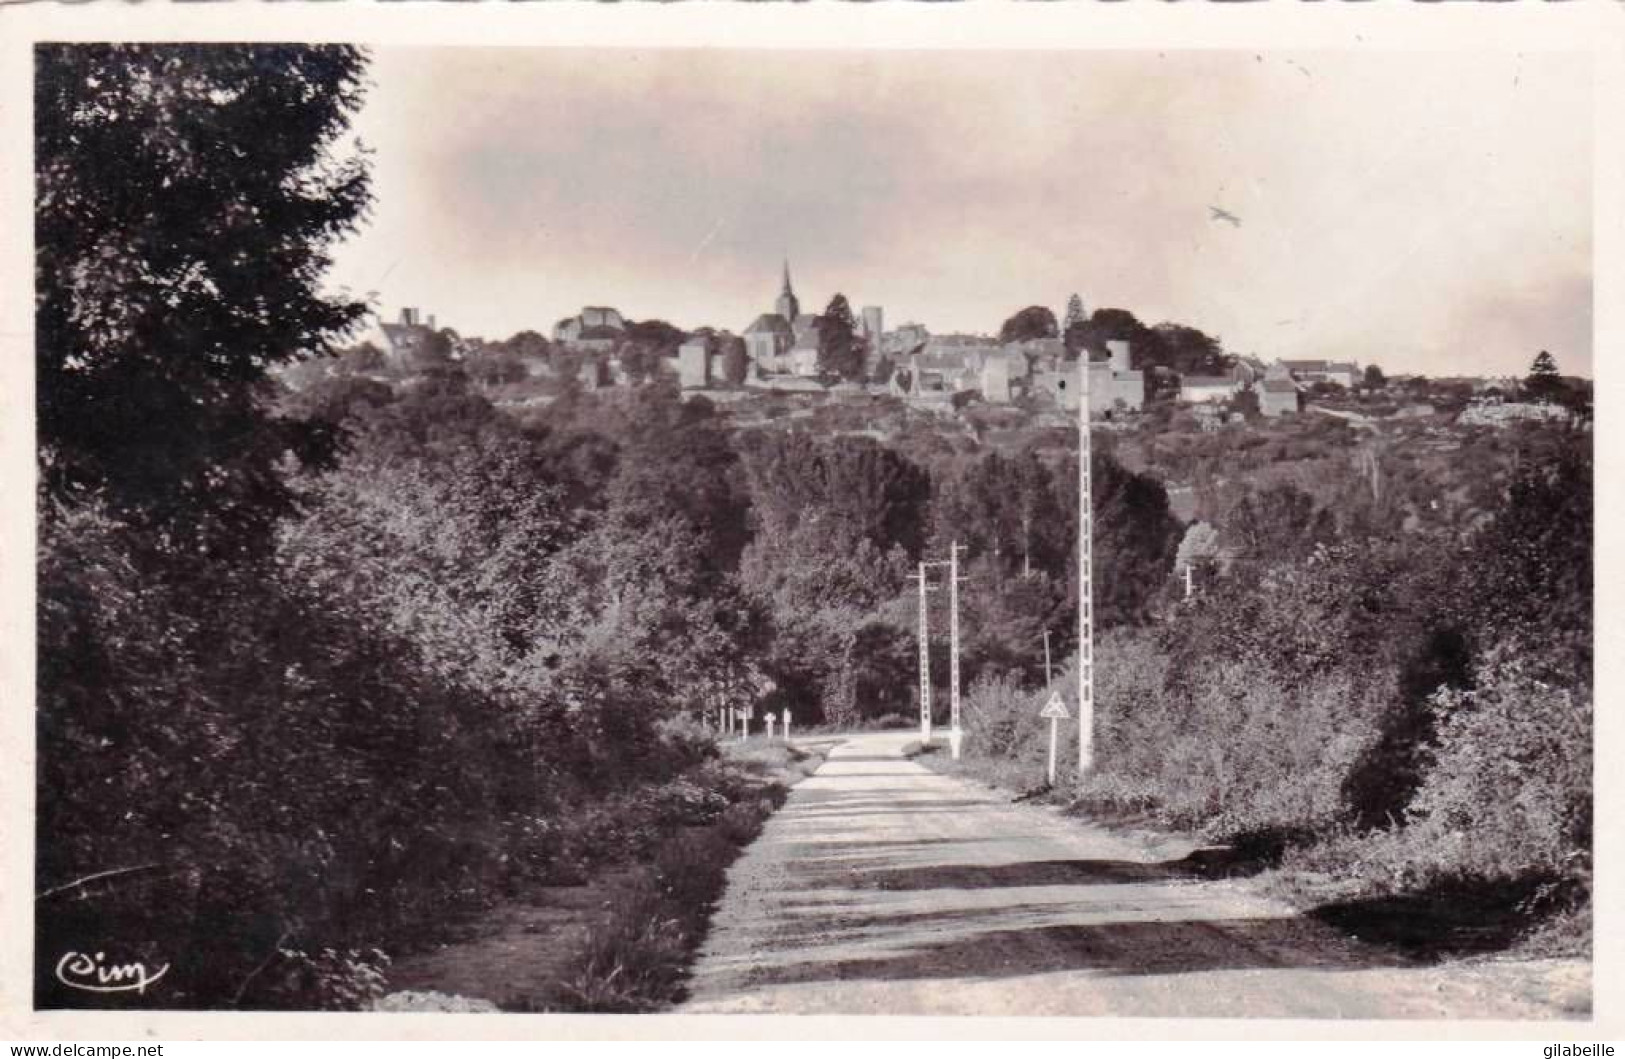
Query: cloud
x=1385, y=200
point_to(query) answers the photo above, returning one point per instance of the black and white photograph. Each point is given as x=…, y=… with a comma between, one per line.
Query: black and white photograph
x=525, y=529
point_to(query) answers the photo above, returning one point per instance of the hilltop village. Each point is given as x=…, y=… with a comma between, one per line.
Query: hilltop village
x=1028, y=366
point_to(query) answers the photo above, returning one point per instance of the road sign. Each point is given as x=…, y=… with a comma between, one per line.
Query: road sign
x=1055, y=712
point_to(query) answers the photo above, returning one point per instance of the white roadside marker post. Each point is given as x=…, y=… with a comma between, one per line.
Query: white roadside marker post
x=770, y=719
x=1055, y=711
x=787, y=724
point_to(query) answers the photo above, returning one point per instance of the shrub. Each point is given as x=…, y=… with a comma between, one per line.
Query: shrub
x=742, y=823
x=683, y=802
x=1509, y=795
x=686, y=742
x=329, y=980
x=1000, y=717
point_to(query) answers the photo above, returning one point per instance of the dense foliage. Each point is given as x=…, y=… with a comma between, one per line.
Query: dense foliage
x=1400, y=708
x=341, y=698
x=179, y=253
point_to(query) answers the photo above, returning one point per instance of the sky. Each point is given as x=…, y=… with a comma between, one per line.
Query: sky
x=1427, y=212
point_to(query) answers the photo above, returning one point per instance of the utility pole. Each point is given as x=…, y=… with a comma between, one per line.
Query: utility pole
x=1086, y=588
x=925, y=662
x=956, y=732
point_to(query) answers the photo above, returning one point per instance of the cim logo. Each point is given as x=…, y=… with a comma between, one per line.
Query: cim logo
x=93, y=974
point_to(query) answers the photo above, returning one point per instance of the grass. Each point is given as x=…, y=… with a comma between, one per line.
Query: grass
x=1025, y=778
x=637, y=960
x=1331, y=881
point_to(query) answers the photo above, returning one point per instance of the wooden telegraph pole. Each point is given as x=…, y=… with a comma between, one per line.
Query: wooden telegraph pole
x=925, y=661
x=1086, y=597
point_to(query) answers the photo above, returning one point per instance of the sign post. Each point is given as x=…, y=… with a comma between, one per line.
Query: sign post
x=925, y=662
x=1055, y=711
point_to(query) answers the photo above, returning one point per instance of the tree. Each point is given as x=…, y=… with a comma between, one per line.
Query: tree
x=1278, y=523
x=1188, y=350
x=180, y=253
x=1544, y=383
x=839, y=352
x=365, y=357
x=1118, y=325
x=528, y=345
x=870, y=490
x=1035, y=321
x=1198, y=549
x=1075, y=316
x=492, y=366
x=1075, y=328
x=677, y=468
x=1374, y=378
x=646, y=347
x=1245, y=404
x=657, y=336
x=735, y=360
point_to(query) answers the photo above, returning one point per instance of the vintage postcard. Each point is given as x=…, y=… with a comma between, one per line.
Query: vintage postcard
x=658, y=520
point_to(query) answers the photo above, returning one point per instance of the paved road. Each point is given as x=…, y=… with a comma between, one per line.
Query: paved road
x=884, y=888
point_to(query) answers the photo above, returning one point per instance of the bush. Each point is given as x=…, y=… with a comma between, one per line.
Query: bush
x=1510, y=793
x=1000, y=718
x=681, y=802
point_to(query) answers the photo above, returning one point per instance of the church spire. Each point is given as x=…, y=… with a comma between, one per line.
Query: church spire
x=788, y=306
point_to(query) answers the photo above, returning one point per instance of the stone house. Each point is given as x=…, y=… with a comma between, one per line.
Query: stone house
x=595, y=328
x=406, y=342
x=694, y=364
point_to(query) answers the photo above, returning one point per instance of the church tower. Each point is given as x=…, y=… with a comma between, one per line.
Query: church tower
x=787, y=306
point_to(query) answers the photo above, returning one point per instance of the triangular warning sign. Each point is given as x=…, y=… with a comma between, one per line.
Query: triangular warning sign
x=1055, y=707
